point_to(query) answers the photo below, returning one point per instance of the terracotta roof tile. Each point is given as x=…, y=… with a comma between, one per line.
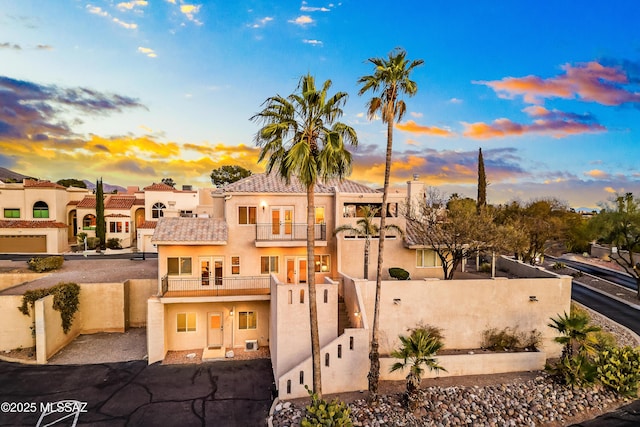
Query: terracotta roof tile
x=159, y=187
x=31, y=224
x=119, y=202
x=212, y=231
x=88, y=202
x=32, y=183
x=273, y=183
x=117, y=216
x=148, y=224
x=138, y=202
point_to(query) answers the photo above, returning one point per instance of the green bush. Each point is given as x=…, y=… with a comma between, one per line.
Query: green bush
x=66, y=300
x=573, y=371
x=320, y=413
x=485, y=267
x=510, y=339
x=618, y=368
x=114, y=243
x=399, y=273
x=40, y=264
x=93, y=242
x=558, y=265
x=81, y=236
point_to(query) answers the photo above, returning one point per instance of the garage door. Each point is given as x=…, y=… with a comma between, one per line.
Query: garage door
x=23, y=244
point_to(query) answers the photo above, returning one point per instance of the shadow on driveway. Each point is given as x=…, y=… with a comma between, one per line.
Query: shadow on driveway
x=227, y=393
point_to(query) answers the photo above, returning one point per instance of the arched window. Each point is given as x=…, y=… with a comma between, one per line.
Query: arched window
x=157, y=210
x=89, y=222
x=40, y=210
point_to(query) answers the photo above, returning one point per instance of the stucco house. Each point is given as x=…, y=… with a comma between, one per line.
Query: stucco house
x=235, y=277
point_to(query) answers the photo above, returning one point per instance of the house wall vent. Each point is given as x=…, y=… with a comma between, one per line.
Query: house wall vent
x=251, y=345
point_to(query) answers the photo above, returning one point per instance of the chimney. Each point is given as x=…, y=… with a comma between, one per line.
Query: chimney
x=415, y=192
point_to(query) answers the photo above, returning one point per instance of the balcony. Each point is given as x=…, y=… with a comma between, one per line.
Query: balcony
x=288, y=234
x=178, y=287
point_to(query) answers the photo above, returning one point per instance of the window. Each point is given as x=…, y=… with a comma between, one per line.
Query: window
x=40, y=210
x=246, y=214
x=355, y=210
x=186, y=214
x=247, y=320
x=89, y=222
x=12, y=213
x=157, y=210
x=320, y=215
x=179, y=266
x=126, y=227
x=427, y=258
x=268, y=264
x=322, y=263
x=235, y=265
x=115, y=227
x=186, y=322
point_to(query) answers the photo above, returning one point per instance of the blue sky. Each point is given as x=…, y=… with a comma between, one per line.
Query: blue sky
x=141, y=90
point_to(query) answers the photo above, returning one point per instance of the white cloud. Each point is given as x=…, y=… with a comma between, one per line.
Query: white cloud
x=262, y=22
x=455, y=101
x=96, y=10
x=190, y=11
x=129, y=5
x=313, y=42
x=415, y=114
x=302, y=20
x=147, y=51
x=127, y=25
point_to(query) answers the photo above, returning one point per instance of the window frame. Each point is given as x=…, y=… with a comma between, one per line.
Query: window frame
x=188, y=327
x=93, y=221
x=420, y=258
x=247, y=325
x=235, y=266
x=270, y=263
x=247, y=219
x=10, y=213
x=318, y=263
x=42, y=210
x=181, y=260
x=157, y=210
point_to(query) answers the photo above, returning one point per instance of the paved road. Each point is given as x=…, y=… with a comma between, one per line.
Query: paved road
x=229, y=393
x=609, y=307
x=612, y=276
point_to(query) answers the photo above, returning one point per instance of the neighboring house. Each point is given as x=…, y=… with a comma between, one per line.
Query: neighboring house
x=37, y=216
x=235, y=277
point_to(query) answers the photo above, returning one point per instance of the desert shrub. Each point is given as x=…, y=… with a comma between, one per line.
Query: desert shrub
x=505, y=339
x=618, y=368
x=66, y=300
x=40, y=264
x=114, y=243
x=531, y=341
x=576, y=370
x=485, y=267
x=577, y=274
x=558, y=265
x=322, y=413
x=605, y=340
x=93, y=242
x=399, y=273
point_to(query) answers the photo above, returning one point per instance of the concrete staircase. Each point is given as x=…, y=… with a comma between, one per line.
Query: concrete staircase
x=343, y=317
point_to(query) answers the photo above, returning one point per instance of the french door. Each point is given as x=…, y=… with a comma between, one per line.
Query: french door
x=211, y=270
x=296, y=270
x=281, y=221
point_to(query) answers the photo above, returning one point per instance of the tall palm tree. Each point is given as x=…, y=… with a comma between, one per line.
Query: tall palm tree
x=417, y=350
x=389, y=81
x=366, y=228
x=302, y=137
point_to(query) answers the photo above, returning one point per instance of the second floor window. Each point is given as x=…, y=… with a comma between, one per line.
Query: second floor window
x=235, y=265
x=246, y=214
x=157, y=210
x=40, y=210
x=268, y=264
x=322, y=263
x=12, y=213
x=179, y=266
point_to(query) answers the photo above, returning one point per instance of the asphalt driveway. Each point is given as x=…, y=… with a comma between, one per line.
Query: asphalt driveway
x=227, y=393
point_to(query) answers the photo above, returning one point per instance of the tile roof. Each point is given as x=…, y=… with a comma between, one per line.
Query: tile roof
x=30, y=224
x=88, y=202
x=138, y=202
x=117, y=216
x=32, y=183
x=148, y=224
x=273, y=183
x=119, y=202
x=159, y=187
x=198, y=231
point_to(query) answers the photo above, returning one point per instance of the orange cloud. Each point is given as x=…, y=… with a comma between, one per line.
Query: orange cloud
x=412, y=127
x=590, y=81
x=597, y=174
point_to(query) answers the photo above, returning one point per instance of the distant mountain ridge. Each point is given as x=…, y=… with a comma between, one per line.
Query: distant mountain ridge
x=11, y=176
x=106, y=188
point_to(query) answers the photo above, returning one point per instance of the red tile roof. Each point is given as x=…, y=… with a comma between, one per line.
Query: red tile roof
x=148, y=224
x=88, y=202
x=159, y=187
x=30, y=224
x=117, y=216
x=119, y=202
x=31, y=183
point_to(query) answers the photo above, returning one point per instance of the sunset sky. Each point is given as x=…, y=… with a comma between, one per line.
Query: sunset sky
x=137, y=91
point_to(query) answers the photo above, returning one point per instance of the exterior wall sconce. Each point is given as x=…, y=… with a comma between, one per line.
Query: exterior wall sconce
x=533, y=298
x=397, y=301
x=357, y=314
x=263, y=205
x=231, y=313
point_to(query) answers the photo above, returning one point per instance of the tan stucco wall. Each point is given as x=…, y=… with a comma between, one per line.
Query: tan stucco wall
x=463, y=309
x=50, y=337
x=102, y=307
x=9, y=280
x=139, y=292
x=467, y=364
x=156, y=341
x=15, y=329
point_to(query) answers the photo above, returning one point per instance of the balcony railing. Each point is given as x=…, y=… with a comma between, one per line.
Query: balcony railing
x=288, y=231
x=173, y=286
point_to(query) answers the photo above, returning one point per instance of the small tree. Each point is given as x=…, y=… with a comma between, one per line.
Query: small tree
x=227, y=174
x=482, y=183
x=169, y=181
x=416, y=352
x=366, y=228
x=576, y=334
x=72, y=182
x=101, y=225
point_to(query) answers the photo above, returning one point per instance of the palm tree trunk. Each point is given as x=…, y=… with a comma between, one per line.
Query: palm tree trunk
x=313, y=302
x=374, y=353
x=367, y=244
